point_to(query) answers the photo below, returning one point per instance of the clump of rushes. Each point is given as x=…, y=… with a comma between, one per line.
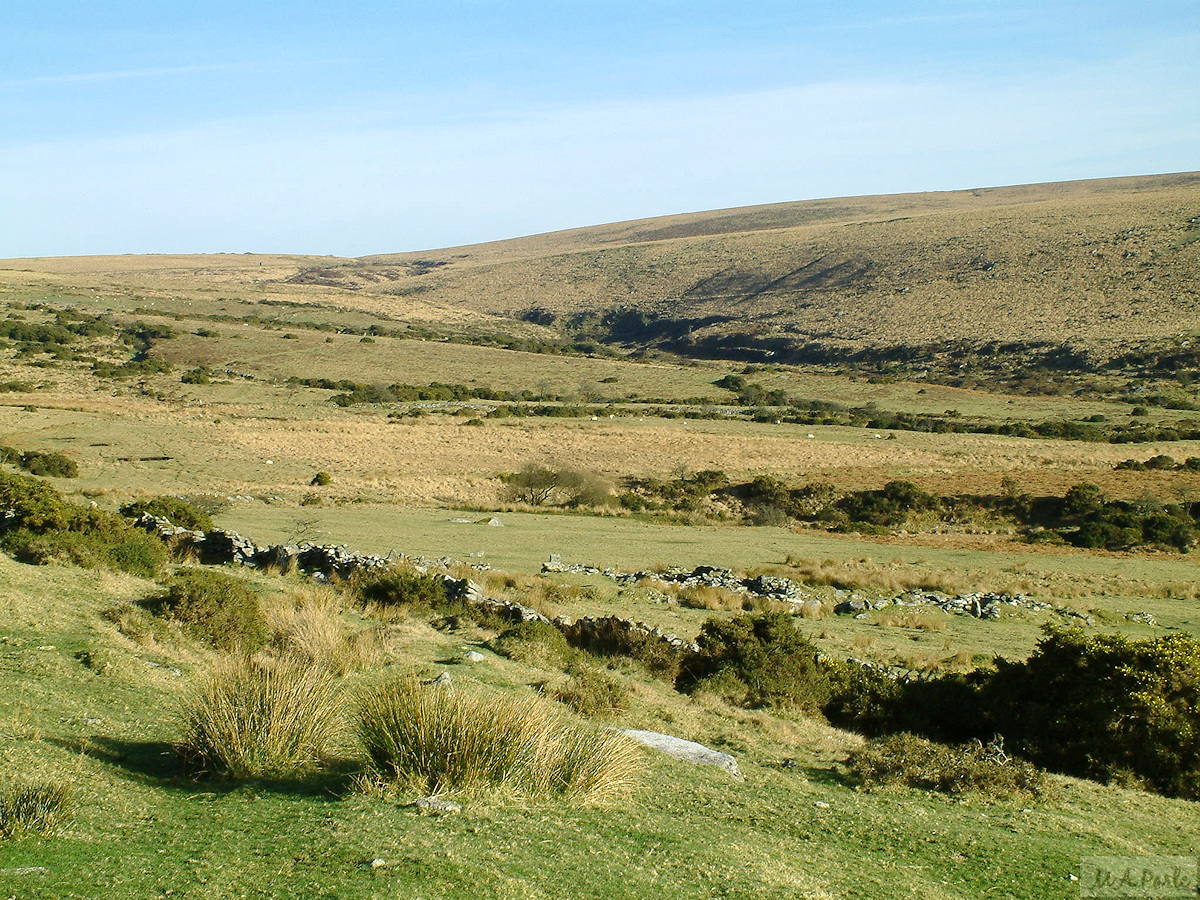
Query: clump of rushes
x=34, y=809
x=261, y=719
x=431, y=739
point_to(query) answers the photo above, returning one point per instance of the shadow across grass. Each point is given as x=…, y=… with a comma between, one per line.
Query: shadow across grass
x=157, y=763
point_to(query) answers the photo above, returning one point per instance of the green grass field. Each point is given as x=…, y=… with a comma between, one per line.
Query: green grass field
x=793, y=828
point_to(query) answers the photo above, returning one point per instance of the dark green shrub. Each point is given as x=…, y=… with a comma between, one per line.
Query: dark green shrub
x=612, y=636
x=35, y=504
x=398, y=586
x=218, y=608
x=766, y=653
x=120, y=549
x=46, y=528
x=862, y=697
x=905, y=759
x=54, y=465
x=1106, y=707
x=1082, y=501
x=1162, y=461
x=198, y=375
x=535, y=643
x=321, y=479
x=592, y=692
x=177, y=511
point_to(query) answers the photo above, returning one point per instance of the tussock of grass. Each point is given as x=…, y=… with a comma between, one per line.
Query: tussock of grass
x=432, y=739
x=260, y=718
x=309, y=625
x=34, y=809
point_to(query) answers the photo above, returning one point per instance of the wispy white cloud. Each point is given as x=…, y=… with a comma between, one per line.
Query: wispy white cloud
x=406, y=172
x=121, y=75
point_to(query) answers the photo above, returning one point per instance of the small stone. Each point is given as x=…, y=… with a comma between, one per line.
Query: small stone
x=435, y=806
x=474, y=656
x=443, y=680
x=377, y=863
x=821, y=804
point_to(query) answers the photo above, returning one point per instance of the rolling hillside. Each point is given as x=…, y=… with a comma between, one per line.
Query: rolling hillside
x=1062, y=275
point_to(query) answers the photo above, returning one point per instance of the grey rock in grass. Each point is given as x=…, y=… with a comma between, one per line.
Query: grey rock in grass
x=688, y=751
x=26, y=870
x=850, y=607
x=443, y=681
x=474, y=656
x=436, y=806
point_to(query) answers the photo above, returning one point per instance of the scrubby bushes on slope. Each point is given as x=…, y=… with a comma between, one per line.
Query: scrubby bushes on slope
x=760, y=660
x=216, y=607
x=906, y=759
x=39, y=526
x=1103, y=707
x=175, y=510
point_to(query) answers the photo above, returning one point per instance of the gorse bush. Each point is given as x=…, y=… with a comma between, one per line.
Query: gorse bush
x=218, y=608
x=261, y=719
x=1103, y=707
x=432, y=739
x=35, y=462
x=34, y=809
x=590, y=691
x=759, y=660
x=535, y=643
x=905, y=759
x=42, y=527
x=174, y=509
x=113, y=548
x=399, y=586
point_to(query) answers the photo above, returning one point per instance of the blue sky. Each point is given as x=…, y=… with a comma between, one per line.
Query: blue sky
x=366, y=127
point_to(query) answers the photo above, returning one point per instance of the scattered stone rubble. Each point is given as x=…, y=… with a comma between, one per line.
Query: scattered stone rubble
x=221, y=547
x=979, y=605
x=326, y=561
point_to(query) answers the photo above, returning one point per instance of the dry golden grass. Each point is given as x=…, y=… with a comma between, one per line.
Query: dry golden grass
x=433, y=739
x=309, y=624
x=920, y=620
x=1012, y=264
x=866, y=574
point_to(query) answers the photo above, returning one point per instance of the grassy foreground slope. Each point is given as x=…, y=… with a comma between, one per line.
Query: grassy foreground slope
x=89, y=705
